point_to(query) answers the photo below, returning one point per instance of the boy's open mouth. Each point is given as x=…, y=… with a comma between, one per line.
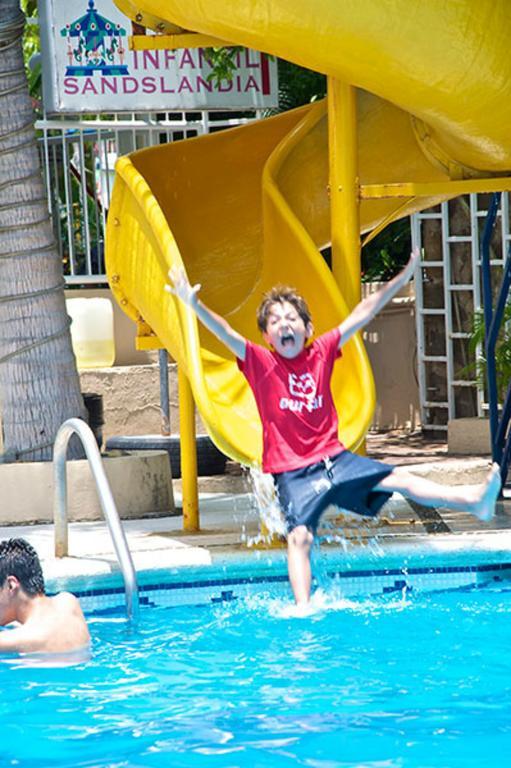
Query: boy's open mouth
x=287, y=338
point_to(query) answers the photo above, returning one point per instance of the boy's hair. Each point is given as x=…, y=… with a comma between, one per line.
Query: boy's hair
x=278, y=295
x=18, y=558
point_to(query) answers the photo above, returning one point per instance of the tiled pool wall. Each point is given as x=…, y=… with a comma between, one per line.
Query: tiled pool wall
x=198, y=587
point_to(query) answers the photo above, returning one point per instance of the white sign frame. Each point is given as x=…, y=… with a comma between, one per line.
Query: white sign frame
x=87, y=67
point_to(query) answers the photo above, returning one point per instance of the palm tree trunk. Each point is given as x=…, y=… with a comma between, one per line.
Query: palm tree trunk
x=39, y=384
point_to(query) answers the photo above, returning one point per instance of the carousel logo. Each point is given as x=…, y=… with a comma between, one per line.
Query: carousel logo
x=94, y=44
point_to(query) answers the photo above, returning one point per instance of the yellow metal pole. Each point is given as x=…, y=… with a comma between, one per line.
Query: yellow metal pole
x=344, y=192
x=188, y=454
x=344, y=189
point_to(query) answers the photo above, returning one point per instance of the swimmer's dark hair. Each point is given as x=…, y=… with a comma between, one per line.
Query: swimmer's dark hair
x=18, y=558
x=278, y=295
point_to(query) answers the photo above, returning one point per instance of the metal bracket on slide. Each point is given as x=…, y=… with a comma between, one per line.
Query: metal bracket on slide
x=173, y=42
x=435, y=188
x=410, y=189
x=146, y=338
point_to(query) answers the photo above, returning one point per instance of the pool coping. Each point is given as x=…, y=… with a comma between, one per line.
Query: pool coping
x=401, y=539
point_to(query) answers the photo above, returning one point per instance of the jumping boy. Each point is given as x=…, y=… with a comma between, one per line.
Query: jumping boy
x=301, y=449
x=46, y=624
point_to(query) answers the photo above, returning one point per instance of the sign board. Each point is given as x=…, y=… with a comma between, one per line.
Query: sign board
x=87, y=67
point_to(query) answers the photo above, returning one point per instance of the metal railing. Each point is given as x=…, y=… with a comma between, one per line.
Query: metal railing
x=493, y=319
x=78, y=156
x=80, y=428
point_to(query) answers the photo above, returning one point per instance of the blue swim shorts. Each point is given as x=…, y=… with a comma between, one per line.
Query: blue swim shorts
x=345, y=480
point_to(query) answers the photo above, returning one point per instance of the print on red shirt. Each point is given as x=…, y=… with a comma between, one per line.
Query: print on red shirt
x=303, y=393
x=295, y=403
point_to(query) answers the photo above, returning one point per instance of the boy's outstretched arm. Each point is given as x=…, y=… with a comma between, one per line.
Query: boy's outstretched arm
x=180, y=286
x=368, y=308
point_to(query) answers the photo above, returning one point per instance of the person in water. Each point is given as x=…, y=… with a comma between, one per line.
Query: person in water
x=43, y=624
x=301, y=449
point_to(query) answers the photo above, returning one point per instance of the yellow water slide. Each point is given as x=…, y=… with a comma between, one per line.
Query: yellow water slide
x=247, y=208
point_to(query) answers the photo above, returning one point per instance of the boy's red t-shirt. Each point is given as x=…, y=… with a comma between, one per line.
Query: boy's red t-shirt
x=295, y=402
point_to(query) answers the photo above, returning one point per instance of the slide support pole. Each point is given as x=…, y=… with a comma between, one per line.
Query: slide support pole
x=344, y=189
x=188, y=454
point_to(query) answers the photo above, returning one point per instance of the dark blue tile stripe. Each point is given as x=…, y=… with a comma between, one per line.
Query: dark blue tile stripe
x=269, y=579
x=420, y=571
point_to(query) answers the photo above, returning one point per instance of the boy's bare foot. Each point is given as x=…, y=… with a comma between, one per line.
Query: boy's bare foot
x=484, y=509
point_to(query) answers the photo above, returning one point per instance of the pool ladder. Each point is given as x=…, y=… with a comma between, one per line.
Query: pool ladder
x=80, y=428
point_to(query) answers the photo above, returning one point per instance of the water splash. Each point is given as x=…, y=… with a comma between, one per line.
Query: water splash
x=345, y=529
x=266, y=507
x=325, y=601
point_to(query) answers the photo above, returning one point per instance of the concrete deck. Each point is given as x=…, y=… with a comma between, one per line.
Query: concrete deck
x=230, y=522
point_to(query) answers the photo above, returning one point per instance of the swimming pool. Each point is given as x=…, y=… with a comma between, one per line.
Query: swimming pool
x=398, y=677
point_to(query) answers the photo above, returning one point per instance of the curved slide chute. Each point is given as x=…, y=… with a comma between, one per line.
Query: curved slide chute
x=247, y=208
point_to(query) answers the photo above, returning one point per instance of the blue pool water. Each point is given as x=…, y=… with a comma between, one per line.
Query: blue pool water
x=419, y=680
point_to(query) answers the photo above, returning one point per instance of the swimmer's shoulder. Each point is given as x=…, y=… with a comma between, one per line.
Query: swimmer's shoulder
x=65, y=599
x=67, y=611
x=66, y=602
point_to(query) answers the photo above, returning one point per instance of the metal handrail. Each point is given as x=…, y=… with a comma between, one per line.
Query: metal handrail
x=488, y=317
x=493, y=317
x=84, y=432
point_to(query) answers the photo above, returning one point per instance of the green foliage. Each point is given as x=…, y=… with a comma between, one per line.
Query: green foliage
x=502, y=353
x=85, y=211
x=29, y=7
x=388, y=253
x=223, y=62
x=298, y=85
x=32, y=47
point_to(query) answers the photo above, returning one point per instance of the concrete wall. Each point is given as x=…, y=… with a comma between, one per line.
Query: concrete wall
x=391, y=344
x=469, y=436
x=141, y=485
x=131, y=399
